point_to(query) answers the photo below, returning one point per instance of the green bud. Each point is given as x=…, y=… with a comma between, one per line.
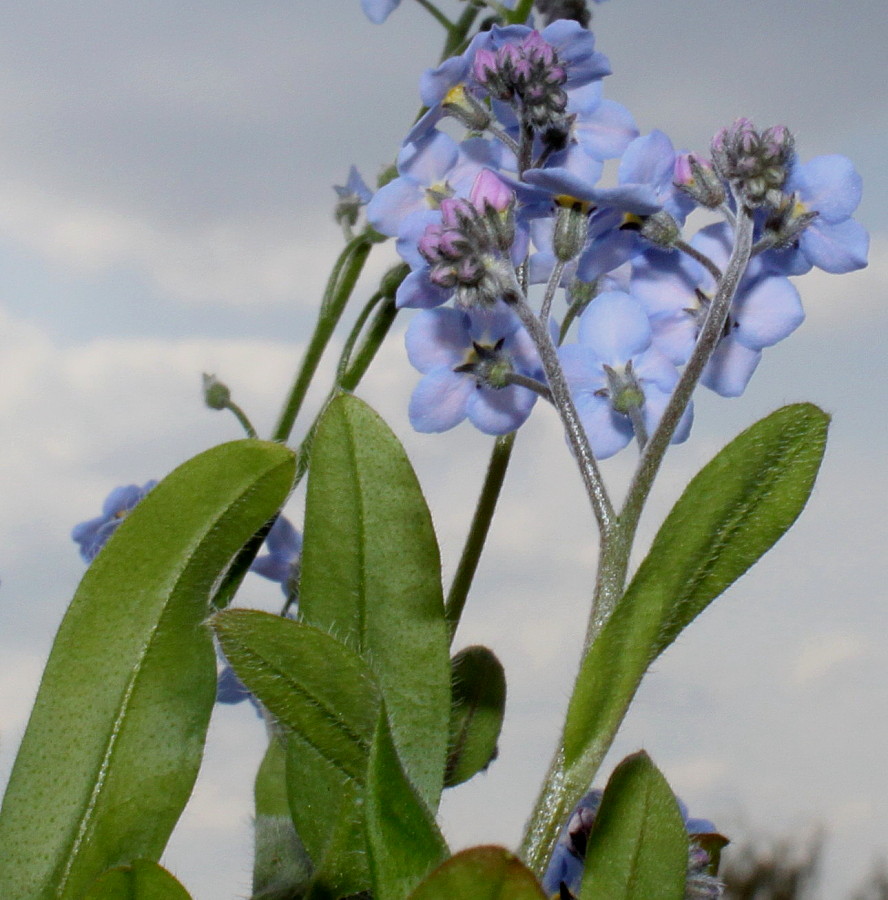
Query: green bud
x=216, y=394
x=661, y=229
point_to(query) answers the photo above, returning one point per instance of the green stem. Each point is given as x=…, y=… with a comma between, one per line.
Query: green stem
x=339, y=288
x=710, y=335
x=241, y=416
x=437, y=14
x=701, y=258
x=354, y=334
x=471, y=554
x=563, y=787
x=351, y=377
x=459, y=30
x=570, y=419
x=518, y=16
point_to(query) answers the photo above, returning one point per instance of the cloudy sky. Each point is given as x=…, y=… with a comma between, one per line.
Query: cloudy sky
x=165, y=200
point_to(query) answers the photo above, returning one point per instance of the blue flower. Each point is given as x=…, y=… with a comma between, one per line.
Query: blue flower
x=830, y=188
x=94, y=533
x=465, y=358
x=568, y=858
x=676, y=292
x=281, y=562
x=617, y=377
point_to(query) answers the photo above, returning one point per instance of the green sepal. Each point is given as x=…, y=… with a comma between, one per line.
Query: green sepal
x=371, y=575
x=116, y=734
x=142, y=879
x=403, y=839
x=481, y=873
x=478, y=704
x=638, y=847
x=730, y=514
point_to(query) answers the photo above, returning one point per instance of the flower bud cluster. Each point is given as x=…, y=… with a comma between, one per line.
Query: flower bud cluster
x=523, y=200
x=466, y=251
x=529, y=72
x=756, y=163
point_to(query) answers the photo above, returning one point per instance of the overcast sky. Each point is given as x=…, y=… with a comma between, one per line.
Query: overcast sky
x=165, y=209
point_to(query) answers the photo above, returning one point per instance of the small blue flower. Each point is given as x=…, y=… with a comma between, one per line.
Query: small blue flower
x=94, y=533
x=462, y=354
x=230, y=690
x=615, y=372
x=829, y=187
x=676, y=292
x=281, y=562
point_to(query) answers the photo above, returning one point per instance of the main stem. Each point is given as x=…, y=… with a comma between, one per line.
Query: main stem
x=563, y=787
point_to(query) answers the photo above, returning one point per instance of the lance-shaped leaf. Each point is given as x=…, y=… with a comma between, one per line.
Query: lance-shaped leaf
x=371, y=575
x=476, y=714
x=325, y=698
x=402, y=837
x=141, y=880
x=730, y=514
x=482, y=873
x=638, y=847
x=311, y=683
x=116, y=735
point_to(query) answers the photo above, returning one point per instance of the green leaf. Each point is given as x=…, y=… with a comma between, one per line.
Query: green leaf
x=638, y=848
x=371, y=575
x=730, y=514
x=481, y=873
x=476, y=715
x=403, y=840
x=281, y=867
x=324, y=695
x=311, y=683
x=141, y=880
x=116, y=735
x=733, y=511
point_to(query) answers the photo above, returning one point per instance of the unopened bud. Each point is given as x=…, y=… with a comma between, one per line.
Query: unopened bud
x=571, y=230
x=661, y=229
x=755, y=163
x=216, y=394
x=697, y=178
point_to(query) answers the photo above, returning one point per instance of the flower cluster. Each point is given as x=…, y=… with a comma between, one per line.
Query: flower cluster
x=522, y=200
x=564, y=874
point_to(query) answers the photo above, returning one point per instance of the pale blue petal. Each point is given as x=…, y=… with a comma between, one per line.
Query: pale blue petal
x=615, y=327
x=730, y=368
x=438, y=402
x=436, y=338
x=499, y=411
x=836, y=248
x=767, y=312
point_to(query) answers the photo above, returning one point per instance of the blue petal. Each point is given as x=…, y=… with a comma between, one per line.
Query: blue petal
x=499, y=411
x=438, y=402
x=836, y=248
x=377, y=11
x=436, y=338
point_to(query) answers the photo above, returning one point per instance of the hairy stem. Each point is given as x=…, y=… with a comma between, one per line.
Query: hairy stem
x=576, y=434
x=563, y=787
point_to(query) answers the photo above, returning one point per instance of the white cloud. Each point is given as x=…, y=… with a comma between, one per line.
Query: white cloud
x=821, y=654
